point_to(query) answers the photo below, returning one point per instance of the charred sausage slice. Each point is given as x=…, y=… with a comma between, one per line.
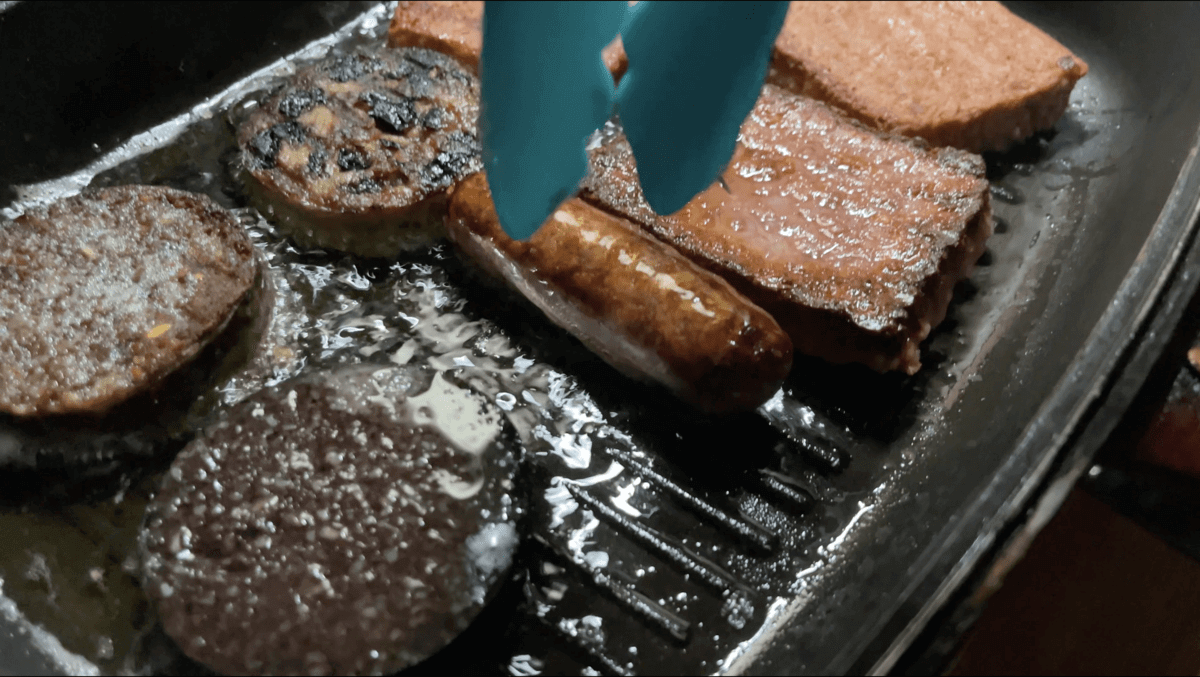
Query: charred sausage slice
x=356, y=152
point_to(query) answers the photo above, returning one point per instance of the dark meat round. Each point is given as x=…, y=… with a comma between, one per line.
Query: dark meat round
x=356, y=152
x=105, y=293
x=348, y=523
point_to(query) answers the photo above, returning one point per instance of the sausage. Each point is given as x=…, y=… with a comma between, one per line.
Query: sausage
x=635, y=302
x=104, y=294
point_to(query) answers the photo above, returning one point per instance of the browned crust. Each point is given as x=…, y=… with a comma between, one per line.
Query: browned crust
x=834, y=338
x=969, y=75
x=717, y=350
x=104, y=294
x=615, y=58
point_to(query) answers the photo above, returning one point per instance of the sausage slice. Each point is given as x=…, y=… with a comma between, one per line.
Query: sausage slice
x=356, y=152
x=350, y=522
x=105, y=293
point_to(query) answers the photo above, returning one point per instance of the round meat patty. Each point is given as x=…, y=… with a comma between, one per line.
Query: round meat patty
x=105, y=293
x=356, y=152
x=348, y=523
x=162, y=417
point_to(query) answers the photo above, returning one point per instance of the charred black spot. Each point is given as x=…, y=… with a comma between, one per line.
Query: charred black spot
x=364, y=186
x=418, y=74
x=422, y=69
x=434, y=119
x=292, y=131
x=438, y=173
x=316, y=162
x=352, y=67
x=461, y=76
x=403, y=71
x=264, y=146
x=344, y=69
x=295, y=103
x=391, y=114
x=424, y=59
x=448, y=166
x=350, y=160
x=263, y=149
x=458, y=155
x=389, y=144
x=454, y=163
x=461, y=143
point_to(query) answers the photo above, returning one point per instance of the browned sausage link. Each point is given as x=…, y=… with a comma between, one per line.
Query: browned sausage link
x=637, y=303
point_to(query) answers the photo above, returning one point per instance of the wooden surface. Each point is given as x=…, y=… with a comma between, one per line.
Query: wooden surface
x=1095, y=594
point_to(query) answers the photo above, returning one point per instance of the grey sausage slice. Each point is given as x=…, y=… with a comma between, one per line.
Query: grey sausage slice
x=103, y=294
x=638, y=304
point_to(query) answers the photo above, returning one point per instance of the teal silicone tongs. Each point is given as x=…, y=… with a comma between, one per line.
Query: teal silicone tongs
x=695, y=71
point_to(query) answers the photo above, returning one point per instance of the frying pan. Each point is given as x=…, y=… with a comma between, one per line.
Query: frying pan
x=662, y=541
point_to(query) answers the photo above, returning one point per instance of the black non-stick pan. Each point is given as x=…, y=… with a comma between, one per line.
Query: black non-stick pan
x=821, y=537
